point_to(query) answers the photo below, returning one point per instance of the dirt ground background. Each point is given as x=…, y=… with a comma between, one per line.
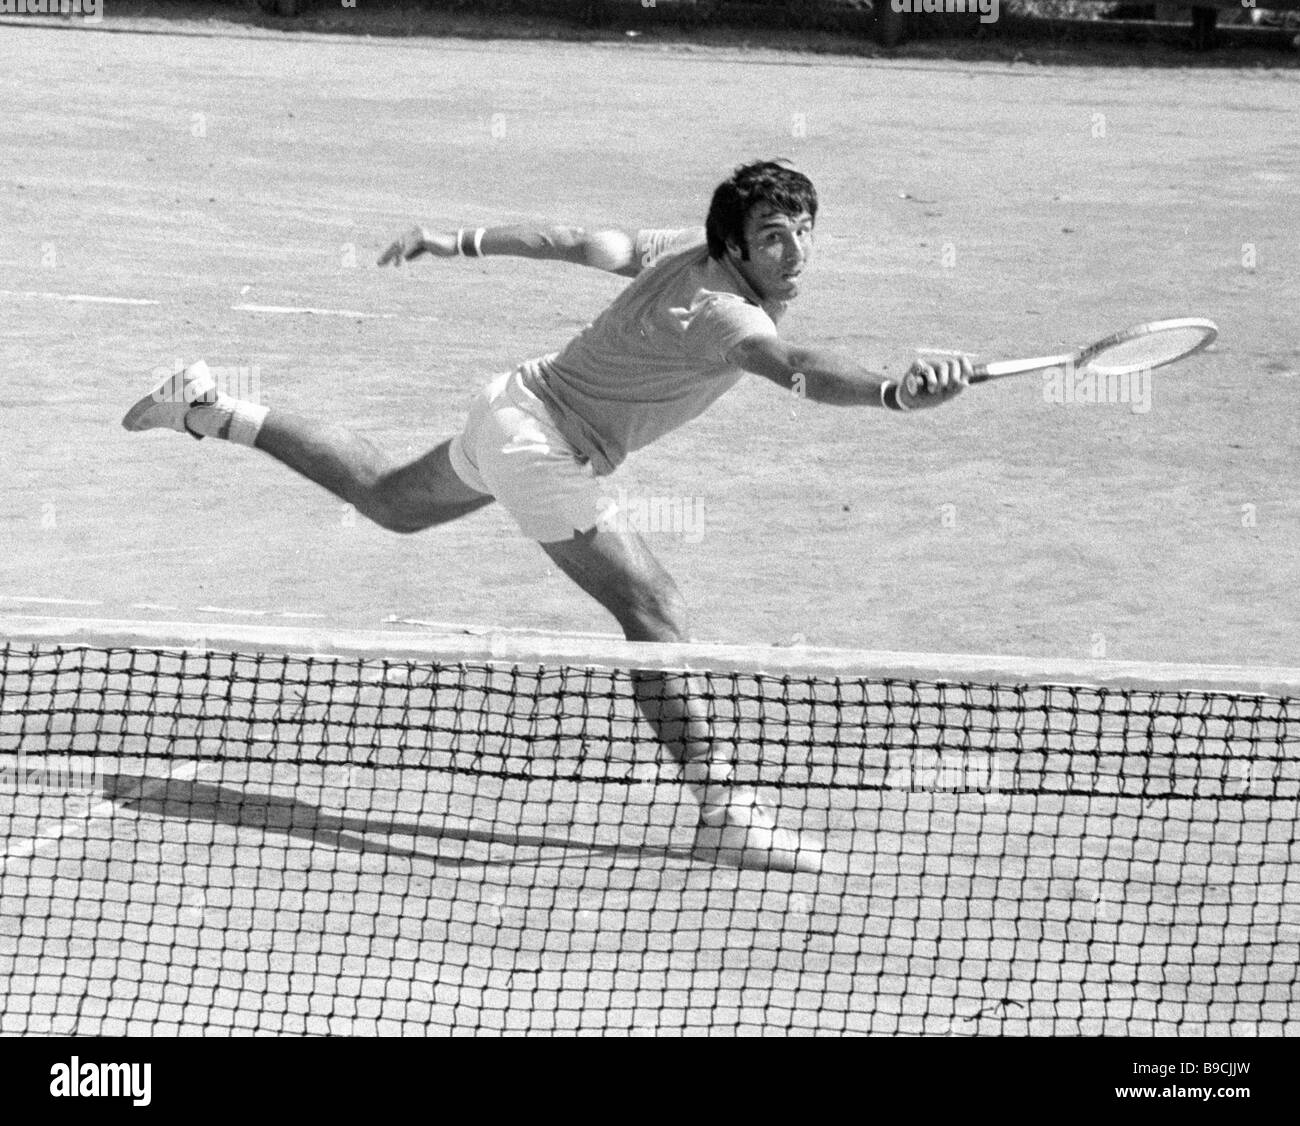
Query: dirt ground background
x=980, y=205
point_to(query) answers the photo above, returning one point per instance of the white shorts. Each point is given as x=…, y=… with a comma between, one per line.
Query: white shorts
x=510, y=449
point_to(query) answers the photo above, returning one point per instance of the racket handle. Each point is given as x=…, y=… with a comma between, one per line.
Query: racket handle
x=979, y=374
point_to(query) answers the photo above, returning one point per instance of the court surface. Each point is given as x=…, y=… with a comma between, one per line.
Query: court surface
x=1005, y=210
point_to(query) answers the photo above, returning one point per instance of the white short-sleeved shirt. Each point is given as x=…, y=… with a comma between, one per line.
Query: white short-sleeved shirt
x=656, y=357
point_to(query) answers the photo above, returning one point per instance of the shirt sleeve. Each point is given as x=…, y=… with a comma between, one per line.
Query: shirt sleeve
x=720, y=321
x=651, y=245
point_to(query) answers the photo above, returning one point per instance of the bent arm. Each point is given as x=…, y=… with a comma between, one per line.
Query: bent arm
x=827, y=377
x=612, y=249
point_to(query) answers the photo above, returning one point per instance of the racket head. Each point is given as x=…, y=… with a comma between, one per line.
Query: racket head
x=1147, y=346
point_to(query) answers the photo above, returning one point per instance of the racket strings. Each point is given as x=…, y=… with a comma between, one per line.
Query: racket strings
x=1151, y=350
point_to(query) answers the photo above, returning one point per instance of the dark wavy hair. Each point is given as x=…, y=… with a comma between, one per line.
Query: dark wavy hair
x=770, y=182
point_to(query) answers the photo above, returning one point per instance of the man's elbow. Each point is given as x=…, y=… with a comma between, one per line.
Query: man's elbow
x=768, y=356
x=562, y=242
x=613, y=251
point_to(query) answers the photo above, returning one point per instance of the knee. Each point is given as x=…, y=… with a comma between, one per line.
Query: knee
x=660, y=616
x=389, y=516
x=379, y=500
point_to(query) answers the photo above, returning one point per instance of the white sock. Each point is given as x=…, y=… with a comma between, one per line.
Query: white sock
x=235, y=419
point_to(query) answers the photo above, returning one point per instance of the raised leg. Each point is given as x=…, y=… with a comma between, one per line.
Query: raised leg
x=402, y=498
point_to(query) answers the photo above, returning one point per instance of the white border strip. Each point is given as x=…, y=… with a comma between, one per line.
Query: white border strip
x=85, y=298
x=50, y=601
x=587, y=652
x=104, y=809
x=479, y=630
x=312, y=311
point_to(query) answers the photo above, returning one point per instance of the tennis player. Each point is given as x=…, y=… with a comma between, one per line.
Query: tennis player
x=703, y=308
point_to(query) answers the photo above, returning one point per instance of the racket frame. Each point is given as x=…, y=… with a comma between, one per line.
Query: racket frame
x=1000, y=369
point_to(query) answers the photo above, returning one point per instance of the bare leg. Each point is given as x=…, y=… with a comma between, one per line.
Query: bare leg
x=619, y=571
x=622, y=574
x=407, y=498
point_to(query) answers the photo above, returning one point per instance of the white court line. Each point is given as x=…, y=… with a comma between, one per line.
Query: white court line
x=49, y=601
x=312, y=311
x=475, y=629
x=100, y=811
x=248, y=613
x=295, y=614
x=88, y=298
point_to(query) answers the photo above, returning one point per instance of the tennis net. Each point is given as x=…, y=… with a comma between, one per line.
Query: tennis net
x=254, y=830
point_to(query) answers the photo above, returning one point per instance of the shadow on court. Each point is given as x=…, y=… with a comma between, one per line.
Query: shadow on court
x=186, y=800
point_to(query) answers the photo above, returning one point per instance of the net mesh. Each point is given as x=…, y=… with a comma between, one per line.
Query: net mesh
x=1152, y=350
x=231, y=842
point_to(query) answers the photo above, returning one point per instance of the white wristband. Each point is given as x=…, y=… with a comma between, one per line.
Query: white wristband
x=478, y=242
x=890, y=398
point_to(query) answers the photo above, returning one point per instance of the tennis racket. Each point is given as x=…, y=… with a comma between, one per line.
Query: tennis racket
x=1141, y=348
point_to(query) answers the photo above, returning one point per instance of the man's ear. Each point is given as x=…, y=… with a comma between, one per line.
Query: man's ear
x=738, y=250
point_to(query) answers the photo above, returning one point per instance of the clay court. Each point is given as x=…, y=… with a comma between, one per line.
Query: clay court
x=1002, y=210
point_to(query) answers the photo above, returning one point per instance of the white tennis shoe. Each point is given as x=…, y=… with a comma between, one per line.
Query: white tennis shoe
x=744, y=834
x=168, y=403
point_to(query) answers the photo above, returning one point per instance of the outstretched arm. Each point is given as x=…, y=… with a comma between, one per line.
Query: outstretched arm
x=612, y=250
x=826, y=377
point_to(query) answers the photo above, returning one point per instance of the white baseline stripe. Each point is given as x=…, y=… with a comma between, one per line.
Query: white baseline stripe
x=89, y=298
x=100, y=811
x=154, y=605
x=49, y=601
x=311, y=311
x=477, y=630
x=254, y=612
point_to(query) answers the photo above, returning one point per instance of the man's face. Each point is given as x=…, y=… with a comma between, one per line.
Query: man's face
x=780, y=248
